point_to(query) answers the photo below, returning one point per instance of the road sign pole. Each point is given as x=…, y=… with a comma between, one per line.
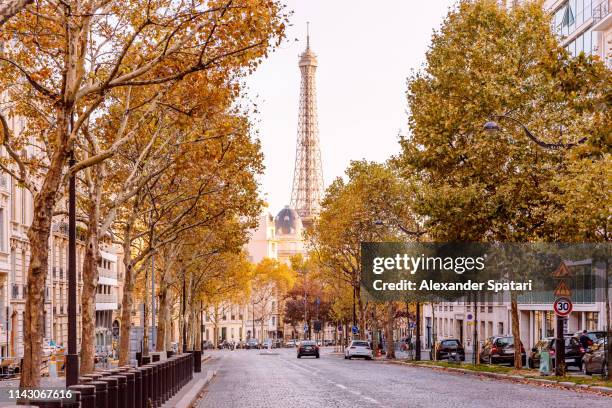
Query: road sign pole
x=560, y=349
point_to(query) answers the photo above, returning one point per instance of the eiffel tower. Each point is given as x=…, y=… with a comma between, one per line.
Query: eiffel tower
x=307, y=189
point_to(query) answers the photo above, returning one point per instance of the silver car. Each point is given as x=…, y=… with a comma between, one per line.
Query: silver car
x=358, y=348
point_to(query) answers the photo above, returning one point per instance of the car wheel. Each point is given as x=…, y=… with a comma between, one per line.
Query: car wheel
x=345, y=357
x=368, y=358
x=317, y=356
x=350, y=357
x=299, y=356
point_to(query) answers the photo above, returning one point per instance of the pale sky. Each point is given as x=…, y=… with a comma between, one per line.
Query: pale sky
x=365, y=50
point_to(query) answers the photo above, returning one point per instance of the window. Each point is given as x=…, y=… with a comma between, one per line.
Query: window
x=13, y=265
x=13, y=200
x=2, y=229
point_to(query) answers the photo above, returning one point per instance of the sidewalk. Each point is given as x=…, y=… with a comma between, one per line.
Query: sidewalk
x=187, y=396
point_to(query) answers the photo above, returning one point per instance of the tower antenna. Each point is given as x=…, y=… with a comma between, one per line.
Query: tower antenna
x=307, y=34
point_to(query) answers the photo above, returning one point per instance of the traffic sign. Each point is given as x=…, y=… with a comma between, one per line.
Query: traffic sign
x=470, y=316
x=562, y=290
x=355, y=329
x=305, y=327
x=562, y=271
x=412, y=325
x=563, y=306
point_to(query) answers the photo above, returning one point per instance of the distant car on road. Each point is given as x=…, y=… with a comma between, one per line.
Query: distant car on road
x=573, y=352
x=207, y=345
x=268, y=343
x=450, y=349
x=308, y=348
x=594, y=360
x=328, y=342
x=290, y=343
x=252, y=344
x=358, y=348
x=500, y=350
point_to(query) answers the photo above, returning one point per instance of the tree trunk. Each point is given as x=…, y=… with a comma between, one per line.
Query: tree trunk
x=162, y=318
x=516, y=332
x=608, y=327
x=126, y=302
x=38, y=235
x=88, y=297
x=389, y=330
x=374, y=330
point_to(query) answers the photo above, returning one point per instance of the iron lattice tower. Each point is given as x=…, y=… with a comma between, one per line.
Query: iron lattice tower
x=307, y=189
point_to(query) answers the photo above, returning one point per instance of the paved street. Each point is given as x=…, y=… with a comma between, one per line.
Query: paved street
x=247, y=378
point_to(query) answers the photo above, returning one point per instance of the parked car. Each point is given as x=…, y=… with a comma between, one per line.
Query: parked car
x=450, y=349
x=594, y=360
x=500, y=350
x=290, y=343
x=328, y=342
x=308, y=348
x=252, y=344
x=267, y=343
x=593, y=335
x=358, y=348
x=207, y=345
x=573, y=352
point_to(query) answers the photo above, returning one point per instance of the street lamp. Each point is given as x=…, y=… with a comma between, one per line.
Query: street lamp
x=491, y=126
x=72, y=358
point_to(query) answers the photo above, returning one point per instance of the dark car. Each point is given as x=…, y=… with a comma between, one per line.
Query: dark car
x=593, y=335
x=450, y=349
x=252, y=344
x=308, y=348
x=594, y=360
x=500, y=350
x=573, y=352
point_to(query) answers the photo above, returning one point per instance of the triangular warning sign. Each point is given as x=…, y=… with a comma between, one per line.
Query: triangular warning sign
x=562, y=290
x=562, y=271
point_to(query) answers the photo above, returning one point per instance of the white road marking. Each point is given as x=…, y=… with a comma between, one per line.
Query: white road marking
x=341, y=386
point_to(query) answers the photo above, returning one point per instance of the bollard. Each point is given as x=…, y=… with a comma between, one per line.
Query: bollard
x=145, y=360
x=111, y=383
x=121, y=390
x=165, y=382
x=94, y=376
x=101, y=394
x=130, y=388
x=137, y=388
x=145, y=386
x=151, y=385
x=155, y=357
x=46, y=404
x=85, y=380
x=169, y=353
x=85, y=395
x=197, y=360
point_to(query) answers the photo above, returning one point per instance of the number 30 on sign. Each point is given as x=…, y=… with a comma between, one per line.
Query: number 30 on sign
x=563, y=306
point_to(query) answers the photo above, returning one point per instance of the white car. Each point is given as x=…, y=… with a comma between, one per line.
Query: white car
x=358, y=348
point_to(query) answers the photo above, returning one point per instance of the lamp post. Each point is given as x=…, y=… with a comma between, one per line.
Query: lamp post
x=72, y=358
x=492, y=127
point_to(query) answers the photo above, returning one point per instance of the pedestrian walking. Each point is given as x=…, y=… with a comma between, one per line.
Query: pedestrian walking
x=585, y=340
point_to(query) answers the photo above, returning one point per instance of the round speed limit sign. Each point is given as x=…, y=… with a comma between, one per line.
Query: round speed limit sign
x=563, y=306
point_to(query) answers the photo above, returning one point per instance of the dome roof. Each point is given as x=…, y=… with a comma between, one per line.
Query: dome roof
x=287, y=221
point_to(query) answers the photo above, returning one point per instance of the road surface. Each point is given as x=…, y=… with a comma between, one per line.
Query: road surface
x=250, y=378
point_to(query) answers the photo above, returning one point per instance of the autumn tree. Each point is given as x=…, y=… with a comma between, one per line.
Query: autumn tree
x=495, y=187
x=64, y=60
x=270, y=280
x=349, y=215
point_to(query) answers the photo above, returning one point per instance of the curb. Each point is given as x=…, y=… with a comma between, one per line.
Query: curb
x=191, y=399
x=511, y=377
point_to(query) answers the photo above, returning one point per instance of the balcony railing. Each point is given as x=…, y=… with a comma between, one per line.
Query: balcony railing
x=601, y=10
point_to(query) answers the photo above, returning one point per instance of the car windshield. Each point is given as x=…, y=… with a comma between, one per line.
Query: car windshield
x=360, y=344
x=450, y=343
x=505, y=341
